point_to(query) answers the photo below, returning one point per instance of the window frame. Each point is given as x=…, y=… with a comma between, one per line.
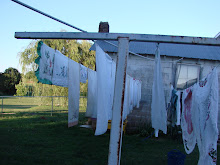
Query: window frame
x=187, y=64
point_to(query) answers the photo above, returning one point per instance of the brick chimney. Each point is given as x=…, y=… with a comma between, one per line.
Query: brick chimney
x=103, y=27
x=217, y=35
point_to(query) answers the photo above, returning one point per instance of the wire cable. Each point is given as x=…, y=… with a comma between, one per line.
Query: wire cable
x=47, y=15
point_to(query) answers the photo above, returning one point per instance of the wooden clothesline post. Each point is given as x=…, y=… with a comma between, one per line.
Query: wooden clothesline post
x=121, y=66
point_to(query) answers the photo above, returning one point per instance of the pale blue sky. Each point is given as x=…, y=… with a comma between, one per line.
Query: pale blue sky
x=168, y=17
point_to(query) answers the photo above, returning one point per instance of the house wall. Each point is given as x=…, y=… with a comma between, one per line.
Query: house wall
x=143, y=69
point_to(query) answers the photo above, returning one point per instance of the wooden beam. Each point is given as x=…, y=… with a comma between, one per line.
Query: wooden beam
x=115, y=36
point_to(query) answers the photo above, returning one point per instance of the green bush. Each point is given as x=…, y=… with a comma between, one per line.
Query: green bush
x=22, y=89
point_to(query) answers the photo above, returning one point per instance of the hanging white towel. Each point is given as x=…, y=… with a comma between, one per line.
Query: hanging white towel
x=60, y=71
x=188, y=131
x=111, y=82
x=106, y=69
x=92, y=98
x=104, y=91
x=178, y=113
x=158, y=107
x=126, y=99
x=205, y=115
x=83, y=73
x=135, y=92
x=139, y=93
x=131, y=98
x=73, y=93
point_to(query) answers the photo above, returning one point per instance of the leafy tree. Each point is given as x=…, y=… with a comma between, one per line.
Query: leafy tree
x=2, y=83
x=8, y=80
x=29, y=75
x=22, y=89
x=14, y=75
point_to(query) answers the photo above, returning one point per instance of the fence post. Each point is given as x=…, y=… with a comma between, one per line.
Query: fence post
x=2, y=105
x=52, y=106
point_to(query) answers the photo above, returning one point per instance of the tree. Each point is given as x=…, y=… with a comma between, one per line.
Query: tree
x=29, y=75
x=2, y=84
x=8, y=80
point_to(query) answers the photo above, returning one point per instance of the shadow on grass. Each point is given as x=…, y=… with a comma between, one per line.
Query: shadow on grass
x=18, y=106
x=37, y=139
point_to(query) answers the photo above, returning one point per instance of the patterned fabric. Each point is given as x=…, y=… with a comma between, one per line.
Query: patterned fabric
x=205, y=115
x=53, y=67
x=188, y=132
x=199, y=118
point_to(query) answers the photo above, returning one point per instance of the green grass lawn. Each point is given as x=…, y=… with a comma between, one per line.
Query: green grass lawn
x=33, y=136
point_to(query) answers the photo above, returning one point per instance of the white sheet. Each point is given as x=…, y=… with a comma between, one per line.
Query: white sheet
x=60, y=72
x=205, y=115
x=92, y=98
x=73, y=93
x=104, y=91
x=83, y=73
x=158, y=107
x=106, y=69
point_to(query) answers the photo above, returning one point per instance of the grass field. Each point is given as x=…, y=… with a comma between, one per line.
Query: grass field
x=33, y=136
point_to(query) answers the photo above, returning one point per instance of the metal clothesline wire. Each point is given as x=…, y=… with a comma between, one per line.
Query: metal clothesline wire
x=65, y=23
x=143, y=56
x=47, y=15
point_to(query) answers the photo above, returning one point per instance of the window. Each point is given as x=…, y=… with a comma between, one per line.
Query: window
x=186, y=75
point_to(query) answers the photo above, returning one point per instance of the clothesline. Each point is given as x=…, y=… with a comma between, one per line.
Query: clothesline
x=56, y=69
x=198, y=114
x=101, y=86
x=143, y=56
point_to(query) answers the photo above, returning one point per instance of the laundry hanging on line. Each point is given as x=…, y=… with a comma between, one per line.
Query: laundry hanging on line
x=199, y=118
x=104, y=91
x=173, y=109
x=73, y=93
x=83, y=73
x=158, y=107
x=92, y=97
x=205, y=117
x=105, y=77
x=188, y=130
x=56, y=69
x=53, y=67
